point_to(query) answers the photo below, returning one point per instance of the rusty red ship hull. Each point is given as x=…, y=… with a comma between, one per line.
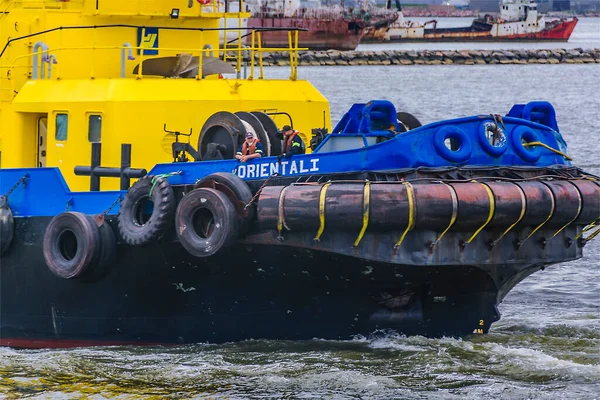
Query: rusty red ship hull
x=320, y=34
x=561, y=32
x=558, y=32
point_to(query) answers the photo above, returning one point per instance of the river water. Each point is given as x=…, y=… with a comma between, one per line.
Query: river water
x=546, y=346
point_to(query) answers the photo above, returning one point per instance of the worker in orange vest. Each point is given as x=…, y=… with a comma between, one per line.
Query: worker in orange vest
x=251, y=148
x=292, y=142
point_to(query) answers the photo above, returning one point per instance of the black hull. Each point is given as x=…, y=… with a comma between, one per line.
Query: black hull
x=161, y=295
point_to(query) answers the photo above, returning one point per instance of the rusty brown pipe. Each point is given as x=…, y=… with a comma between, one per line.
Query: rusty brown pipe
x=552, y=203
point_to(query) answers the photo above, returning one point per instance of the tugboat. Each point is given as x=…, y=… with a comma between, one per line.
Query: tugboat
x=126, y=219
x=519, y=21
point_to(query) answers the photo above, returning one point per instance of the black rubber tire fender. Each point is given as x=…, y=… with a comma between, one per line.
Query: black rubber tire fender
x=7, y=225
x=72, y=245
x=206, y=222
x=407, y=121
x=106, y=257
x=237, y=186
x=136, y=231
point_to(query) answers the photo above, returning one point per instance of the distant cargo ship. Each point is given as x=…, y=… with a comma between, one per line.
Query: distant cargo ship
x=518, y=20
x=325, y=28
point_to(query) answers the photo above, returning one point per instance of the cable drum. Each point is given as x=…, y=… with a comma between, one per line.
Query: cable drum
x=272, y=132
x=253, y=124
x=223, y=128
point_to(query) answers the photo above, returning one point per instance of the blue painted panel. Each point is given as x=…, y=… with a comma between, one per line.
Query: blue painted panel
x=47, y=194
x=147, y=38
x=407, y=150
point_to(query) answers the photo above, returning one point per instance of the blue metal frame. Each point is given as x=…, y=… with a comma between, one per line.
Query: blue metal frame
x=46, y=192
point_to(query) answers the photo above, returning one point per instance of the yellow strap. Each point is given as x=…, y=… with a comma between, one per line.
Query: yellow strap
x=544, y=145
x=587, y=228
x=280, y=212
x=322, y=211
x=366, y=204
x=411, y=212
x=577, y=215
x=490, y=215
x=593, y=235
x=549, y=216
x=454, y=213
x=523, y=208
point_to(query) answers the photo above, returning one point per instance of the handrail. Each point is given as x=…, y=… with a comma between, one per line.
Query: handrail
x=127, y=48
x=255, y=50
x=180, y=28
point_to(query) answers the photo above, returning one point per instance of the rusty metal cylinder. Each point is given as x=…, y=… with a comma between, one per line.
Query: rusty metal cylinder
x=590, y=197
x=473, y=205
x=554, y=203
x=509, y=203
x=539, y=203
x=567, y=203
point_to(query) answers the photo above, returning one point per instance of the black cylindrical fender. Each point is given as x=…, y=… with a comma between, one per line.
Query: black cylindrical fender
x=206, y=222
x=147, y=211
x=238, y=190
x=7, y=225
x=72, y=245
x=105, y=258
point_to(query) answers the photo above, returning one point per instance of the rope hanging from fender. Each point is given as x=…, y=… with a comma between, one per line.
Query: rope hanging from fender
x=155, y=179
x=281, y=214
x=366, y=206
x=588, y=228
x=322, y=211
x=498, y=122
x=113, y=205
x=579, y=204
x=22, y=180
x=411, y=213
x=454, y=214
x=490, y=214
x=523, y=208
x=593, y=235
x=553, y=203
x=544, y=145
x=259, y=191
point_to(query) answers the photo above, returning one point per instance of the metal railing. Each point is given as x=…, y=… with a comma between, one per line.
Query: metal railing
x=154, y=8
x=45, y=61
x=185, y=8
x=41, y=4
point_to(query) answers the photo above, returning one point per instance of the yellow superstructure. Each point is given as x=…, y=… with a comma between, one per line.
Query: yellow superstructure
x=67, y=79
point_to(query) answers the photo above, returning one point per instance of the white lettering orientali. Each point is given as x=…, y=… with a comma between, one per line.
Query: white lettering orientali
x=292, y=167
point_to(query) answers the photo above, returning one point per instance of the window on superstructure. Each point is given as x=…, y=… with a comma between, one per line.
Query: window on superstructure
x=62, y=127
x=94, y=128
